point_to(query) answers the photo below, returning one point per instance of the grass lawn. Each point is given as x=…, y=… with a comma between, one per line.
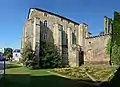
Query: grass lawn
x=18, y=76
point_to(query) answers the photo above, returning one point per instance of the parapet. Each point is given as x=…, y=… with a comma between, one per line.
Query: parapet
x=98, y=36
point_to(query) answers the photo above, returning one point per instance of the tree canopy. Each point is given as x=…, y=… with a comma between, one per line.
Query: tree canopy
x=8, y=52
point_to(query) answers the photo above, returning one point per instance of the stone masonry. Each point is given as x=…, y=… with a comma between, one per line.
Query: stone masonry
x=72, y=38
x=95, y=50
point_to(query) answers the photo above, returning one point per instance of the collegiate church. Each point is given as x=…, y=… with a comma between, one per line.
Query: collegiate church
x=74, y=41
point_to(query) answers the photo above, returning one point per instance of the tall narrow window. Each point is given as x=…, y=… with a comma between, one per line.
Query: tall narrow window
x=73, y=37
x=45, y=36
x=45, y=23
x=61, y=34
x=84, y=34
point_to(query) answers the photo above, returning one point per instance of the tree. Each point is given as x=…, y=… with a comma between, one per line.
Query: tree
x=114, y=54
x=28, y=56
x=8, y=53
x=115, y=40
x=49, y=56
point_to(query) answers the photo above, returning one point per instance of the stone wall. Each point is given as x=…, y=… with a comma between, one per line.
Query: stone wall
x=27, y=32
x=95, y=50
x=72, y=58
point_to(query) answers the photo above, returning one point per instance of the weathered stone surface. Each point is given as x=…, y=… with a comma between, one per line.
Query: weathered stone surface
x=40, y=27
x=95, y=50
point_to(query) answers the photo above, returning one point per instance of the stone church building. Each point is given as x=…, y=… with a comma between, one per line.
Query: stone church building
x=75, y=43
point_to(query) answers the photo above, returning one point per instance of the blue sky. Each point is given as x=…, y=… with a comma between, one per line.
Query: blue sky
x=13, y=14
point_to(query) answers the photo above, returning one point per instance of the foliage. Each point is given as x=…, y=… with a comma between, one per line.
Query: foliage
x=15, y=62
x=28, y=56
x=115, y=47
x=115, y=55
x=49, y=56
x=8, y=53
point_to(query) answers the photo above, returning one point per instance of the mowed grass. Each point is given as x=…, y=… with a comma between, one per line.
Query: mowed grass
x=19, y=76
x=16, y=76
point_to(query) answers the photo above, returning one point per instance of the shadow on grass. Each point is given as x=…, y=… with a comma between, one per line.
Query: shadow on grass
x=25, y=80
x=115, y=82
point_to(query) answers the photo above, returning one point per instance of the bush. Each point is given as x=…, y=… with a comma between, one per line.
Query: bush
x=28, y=56
x=49, y=56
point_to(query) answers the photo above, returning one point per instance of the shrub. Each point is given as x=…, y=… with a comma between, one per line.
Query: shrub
x=49, y=56
x=28, y=56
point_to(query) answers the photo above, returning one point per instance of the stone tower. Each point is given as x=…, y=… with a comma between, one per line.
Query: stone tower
x=107, y=25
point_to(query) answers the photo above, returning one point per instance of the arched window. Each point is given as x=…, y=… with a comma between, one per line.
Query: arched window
x=45, y=23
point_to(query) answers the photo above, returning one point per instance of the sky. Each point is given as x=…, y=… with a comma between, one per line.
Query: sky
x=13, y=14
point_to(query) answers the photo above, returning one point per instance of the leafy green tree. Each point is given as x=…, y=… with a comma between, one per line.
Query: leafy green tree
x=49, y=56
x=115, y=40
x=115, y=56
x=28, y=56
x=8, y=53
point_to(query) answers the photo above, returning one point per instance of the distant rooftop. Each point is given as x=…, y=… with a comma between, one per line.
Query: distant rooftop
x=16, y=50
